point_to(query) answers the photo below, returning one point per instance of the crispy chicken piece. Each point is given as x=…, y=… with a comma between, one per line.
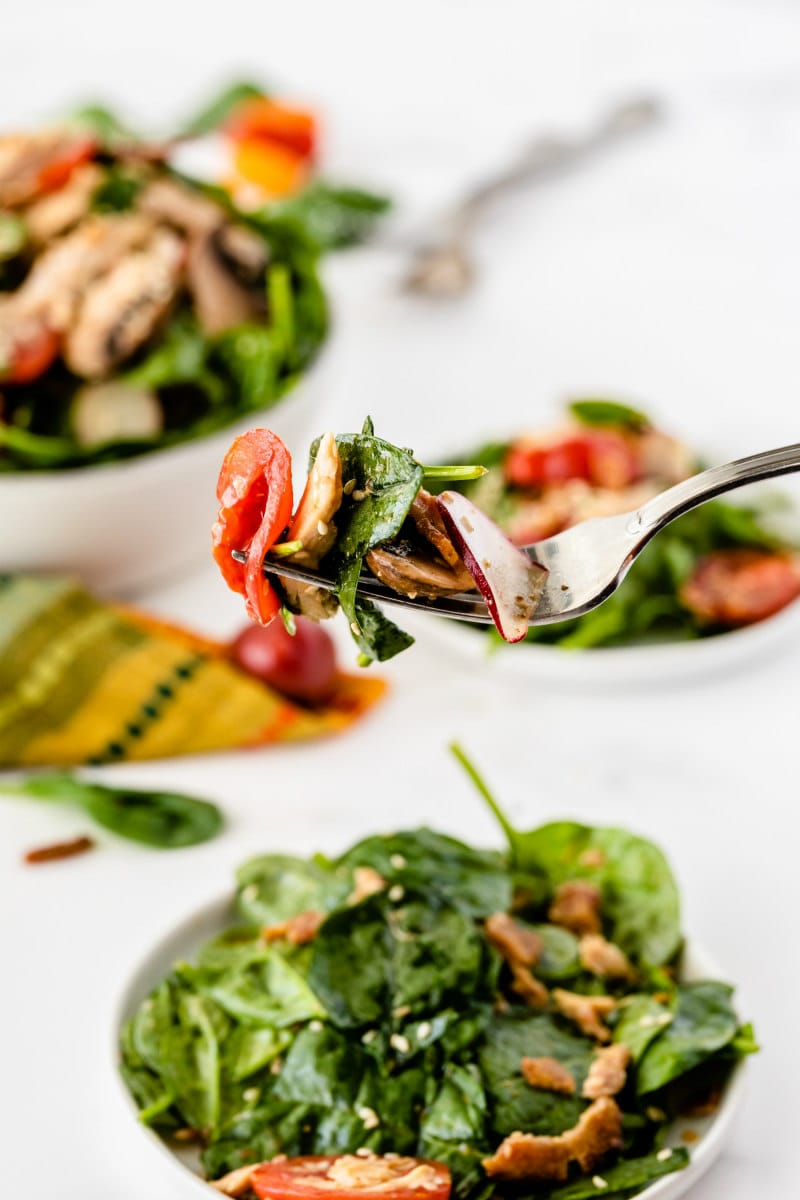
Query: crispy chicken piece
x=124, y=308
x=586, y=1011
x=366, y=882
x=313, y=525
x=298, y=930
x=608, y=1072
x=603, y=958
x=576, y=906
x=525, y=985
x=25, y=159
x=236, y=1183
x=549, y=1074
x=527, y=1157
x=514, y=941
x=57, y=212
x=173, y=203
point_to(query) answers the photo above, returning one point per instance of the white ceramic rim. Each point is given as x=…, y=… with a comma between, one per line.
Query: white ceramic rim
x=189, y=934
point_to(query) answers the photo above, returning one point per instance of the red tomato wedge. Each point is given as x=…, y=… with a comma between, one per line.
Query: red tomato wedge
x=254, y=490
x=603, y=458
x=352, y=1177
x=294, y=128
x=56, y=172
x=739, y=587
x=34, y=349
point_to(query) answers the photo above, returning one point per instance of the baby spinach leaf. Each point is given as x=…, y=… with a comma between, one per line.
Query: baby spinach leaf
x=387, y=478
x=164, y=819
x=703, y=1024
x=189, y=1054
x=559, y=959
x=375, y=635
x=458, y=1112
x=336, y=217
x=268, y=991
x=626, y=1178
x=217, y=110
x=250, y=1050
x=322, y=1067
x=643, y=1019
x=349, y=964
x=274, y=887
x=608, y=412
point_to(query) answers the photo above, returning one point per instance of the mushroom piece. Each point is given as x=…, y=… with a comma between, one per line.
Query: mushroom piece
x=412, y=570
x=425, y=514
x=173, y=203
x=225, y=270
x=114, y=412
x=125, y=306
x=313, y=526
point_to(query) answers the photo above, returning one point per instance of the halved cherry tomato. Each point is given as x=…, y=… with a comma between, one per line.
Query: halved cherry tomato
x=273, y=167
x=302, y=665
x=294, y=128
x=352, y=1177
x=738, y=587
x=255, y=494
x=603, y=458
x=32, y=352
x=55, y=173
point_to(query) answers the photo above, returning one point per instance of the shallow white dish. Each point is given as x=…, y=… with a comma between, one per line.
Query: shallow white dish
x=179, y=1170
x=122, y=527
x=618, y=665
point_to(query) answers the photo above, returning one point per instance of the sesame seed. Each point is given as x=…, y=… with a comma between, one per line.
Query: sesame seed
x=424, y=1031
x=355, y=627
x=664, y=1154
x=398, y=861
x=251, y=1094
x=466, y=524
x=322, y=528
x=315, y=1026
x=276, y=1066
x=402, y=1011
x=369, y=1037
x=655, y=1114
x=250, y=892
x=363, y=1152
x=396, y=893
x=400, y=1043
x=599, y=1182
x=369, y=1117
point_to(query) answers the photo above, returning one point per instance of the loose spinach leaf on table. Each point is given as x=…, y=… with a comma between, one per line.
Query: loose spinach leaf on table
x=164, y=819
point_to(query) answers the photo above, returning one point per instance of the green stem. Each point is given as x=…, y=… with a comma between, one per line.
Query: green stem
x=477, y=779
x=460, y=474
x=284, y=549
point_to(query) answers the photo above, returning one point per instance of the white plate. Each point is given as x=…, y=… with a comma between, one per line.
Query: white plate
x=123, y=527
x=179, y=1171
x=617, y=665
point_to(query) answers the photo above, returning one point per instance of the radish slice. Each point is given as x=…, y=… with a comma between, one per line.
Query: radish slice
x=507, y=579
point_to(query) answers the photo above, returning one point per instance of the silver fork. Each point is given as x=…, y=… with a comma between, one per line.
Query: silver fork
x=586, y=563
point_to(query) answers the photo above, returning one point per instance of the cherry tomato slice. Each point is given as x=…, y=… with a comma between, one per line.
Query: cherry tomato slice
x=55, y=173
x=739, y=587
x=302, y=665
x=352, y=1177
x=293, y=128
x=255, y=494
x=31, y=354
x=603, y=458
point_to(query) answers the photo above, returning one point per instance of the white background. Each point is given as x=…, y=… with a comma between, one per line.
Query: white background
x=667, y=274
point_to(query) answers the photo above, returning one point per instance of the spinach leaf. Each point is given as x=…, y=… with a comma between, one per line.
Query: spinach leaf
x=458, y=1112
x=608, y=412
x=626, y=1178
x=336, y=217
x=103, y=123
x=118, y=190
x=643, y=1019
x=251, y=357
x=164, y=819
x=703, y=1024
x=475, y=881
x=274, y=887
x=216, y=111
x=559, y=959
x=375, y=635
x=267, y=990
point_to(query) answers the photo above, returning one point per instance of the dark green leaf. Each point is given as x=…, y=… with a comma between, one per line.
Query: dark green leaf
x=217, y=110
x=608, y=412
x=703, y=1024
x=626, y=1178
x=336, y=217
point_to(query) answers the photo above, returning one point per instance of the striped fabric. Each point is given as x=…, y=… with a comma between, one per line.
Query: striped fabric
x=82, y=681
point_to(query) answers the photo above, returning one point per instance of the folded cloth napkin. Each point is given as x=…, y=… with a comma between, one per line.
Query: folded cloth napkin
x=83, y=681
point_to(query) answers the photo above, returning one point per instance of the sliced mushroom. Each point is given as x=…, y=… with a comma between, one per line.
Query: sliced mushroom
x=424, y=512
x=25, y=158
x=123, y=308
x=173, y=203
x=114, y=412
x=414, y=571
x=313, y=525
x=59, y=277
x=56, y=213
x=224, y=268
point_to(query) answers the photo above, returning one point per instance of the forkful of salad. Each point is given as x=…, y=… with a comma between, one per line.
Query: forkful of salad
x=367, y=531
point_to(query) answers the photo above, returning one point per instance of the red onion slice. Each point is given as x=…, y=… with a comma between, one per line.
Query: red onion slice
x=507, y=579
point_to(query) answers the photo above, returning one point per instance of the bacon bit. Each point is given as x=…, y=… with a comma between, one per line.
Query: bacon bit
x=367, y=881
x=548, y=1073
x=235, y=1183
x=59, y=850
x=298, y=930
x=526, y=1156
x=525, y=985
x=586, y=1012
x=607, y=1073
x=603, y=958
x=576, y=906
x=516, y=943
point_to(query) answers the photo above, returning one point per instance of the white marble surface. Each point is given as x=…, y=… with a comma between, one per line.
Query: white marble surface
x=668, y=274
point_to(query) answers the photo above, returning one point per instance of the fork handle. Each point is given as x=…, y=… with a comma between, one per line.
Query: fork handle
x=684, y=496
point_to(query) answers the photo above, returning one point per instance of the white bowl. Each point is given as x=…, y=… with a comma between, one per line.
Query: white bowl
x=123, y=527
x=180, y=1170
